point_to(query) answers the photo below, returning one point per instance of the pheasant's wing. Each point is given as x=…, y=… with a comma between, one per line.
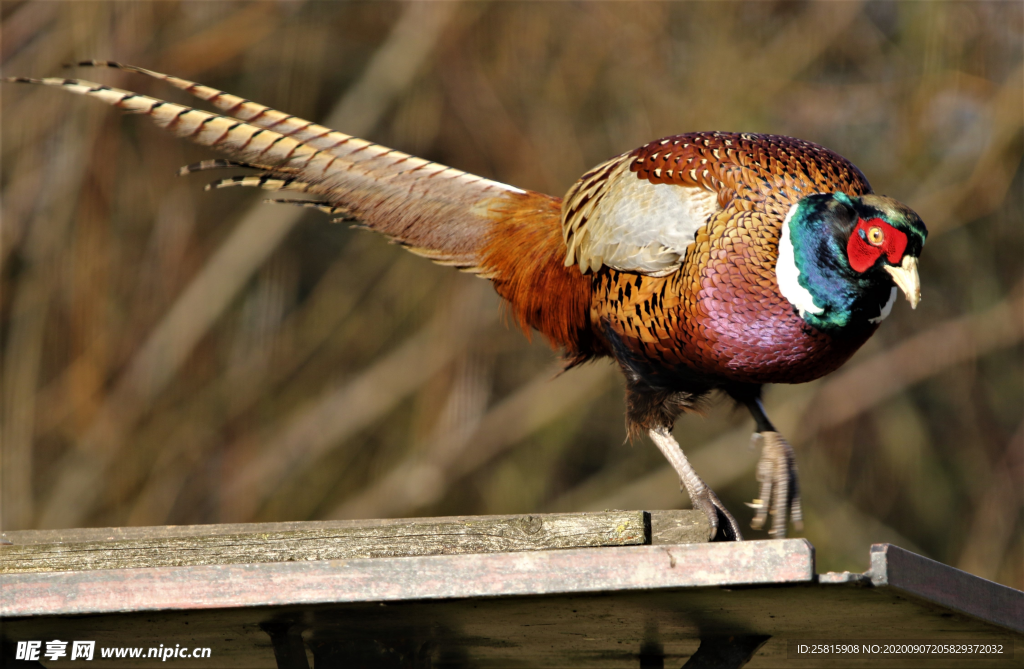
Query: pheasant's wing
x=612, y=218
x=644, y=210
x=434, y=210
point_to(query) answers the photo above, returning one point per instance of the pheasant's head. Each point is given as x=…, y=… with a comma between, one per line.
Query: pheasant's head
x=842, y=258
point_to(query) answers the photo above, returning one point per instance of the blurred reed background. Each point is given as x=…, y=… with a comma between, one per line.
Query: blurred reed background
x=177, y=356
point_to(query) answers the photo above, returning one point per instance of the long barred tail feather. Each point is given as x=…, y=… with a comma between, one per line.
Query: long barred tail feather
x=436, y=210
x=337, y=214
x=317, y=136
x=218, y=164
x=508, y=235
x=264, y=181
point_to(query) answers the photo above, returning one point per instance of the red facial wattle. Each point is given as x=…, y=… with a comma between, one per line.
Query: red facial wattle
x=872, y=238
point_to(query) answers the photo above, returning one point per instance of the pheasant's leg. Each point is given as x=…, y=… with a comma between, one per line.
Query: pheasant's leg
x=701, y=495
x=777, y=473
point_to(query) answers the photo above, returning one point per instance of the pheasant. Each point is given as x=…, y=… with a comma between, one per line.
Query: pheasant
x=708, y=261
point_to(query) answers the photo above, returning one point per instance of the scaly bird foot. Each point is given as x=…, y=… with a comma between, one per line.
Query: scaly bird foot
x=723, y=526
x=780, y=488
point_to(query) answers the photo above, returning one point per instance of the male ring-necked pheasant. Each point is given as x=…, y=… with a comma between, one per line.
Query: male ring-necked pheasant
x=699, y=262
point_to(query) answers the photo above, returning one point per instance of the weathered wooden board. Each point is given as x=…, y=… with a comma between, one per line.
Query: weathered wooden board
x=125, y=548
x=578, y=570
x=679, y=527
x=646, y=606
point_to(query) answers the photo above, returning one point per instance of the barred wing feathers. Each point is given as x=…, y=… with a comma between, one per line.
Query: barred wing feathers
x=613, y=218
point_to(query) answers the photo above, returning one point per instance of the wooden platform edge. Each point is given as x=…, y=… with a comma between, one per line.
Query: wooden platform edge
x=938, y=583
x=570, y=571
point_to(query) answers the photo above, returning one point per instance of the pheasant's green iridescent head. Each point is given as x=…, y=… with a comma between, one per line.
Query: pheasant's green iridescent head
x=842, y=258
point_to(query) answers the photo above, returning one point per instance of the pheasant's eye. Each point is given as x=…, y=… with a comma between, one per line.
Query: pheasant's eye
x=871, y=239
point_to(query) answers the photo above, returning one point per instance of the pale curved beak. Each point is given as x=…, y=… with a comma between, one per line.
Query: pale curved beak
x=906, y=278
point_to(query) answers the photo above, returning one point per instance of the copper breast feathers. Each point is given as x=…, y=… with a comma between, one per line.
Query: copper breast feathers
x=682, y=238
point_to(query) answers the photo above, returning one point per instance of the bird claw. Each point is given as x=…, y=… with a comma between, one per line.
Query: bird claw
x=723, y=526
x=780, y=488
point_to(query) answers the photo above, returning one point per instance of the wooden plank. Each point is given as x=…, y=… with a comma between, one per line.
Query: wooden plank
x=638, y=613
x=570, y=571
x=670, y=526
x=611, y=607
x=679, y=527
x=623, y=630
x=935, y=582
x=127, y=548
